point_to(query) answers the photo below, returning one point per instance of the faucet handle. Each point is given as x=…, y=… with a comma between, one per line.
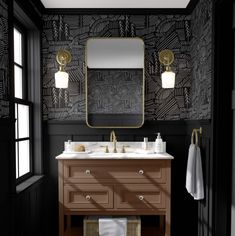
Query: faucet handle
x=123, y=148
x=106, y=148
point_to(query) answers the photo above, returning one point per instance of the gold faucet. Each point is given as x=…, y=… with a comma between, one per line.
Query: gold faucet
x=113, y=139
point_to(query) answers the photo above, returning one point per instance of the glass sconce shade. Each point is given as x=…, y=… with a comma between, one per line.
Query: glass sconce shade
x=168, y=79
x=61, y=79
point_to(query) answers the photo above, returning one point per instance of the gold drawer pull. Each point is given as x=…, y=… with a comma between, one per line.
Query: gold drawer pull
x=88, y=197
x=88, y=172
x=141, y=172
x=141, y=198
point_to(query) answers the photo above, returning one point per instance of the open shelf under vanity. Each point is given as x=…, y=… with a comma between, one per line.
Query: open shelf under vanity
x=150, y=225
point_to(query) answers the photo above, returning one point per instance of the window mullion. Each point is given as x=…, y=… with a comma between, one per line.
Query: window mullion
x=22, y=139
x=31, y=136
x=18, y=158
x=16, y=64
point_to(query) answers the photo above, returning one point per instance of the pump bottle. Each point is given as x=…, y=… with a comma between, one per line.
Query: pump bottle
x=158, y=143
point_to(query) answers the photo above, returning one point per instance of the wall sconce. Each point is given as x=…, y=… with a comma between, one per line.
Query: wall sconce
x=166, y=57
x=63, y=57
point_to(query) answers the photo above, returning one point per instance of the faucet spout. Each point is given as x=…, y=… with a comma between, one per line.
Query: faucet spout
x=113, y=139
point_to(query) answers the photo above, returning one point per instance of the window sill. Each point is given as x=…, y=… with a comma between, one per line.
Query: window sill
x=28, y=183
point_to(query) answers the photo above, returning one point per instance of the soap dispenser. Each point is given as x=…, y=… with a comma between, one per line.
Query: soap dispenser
x=158, y=144
x=145, y=143
x=68, y=146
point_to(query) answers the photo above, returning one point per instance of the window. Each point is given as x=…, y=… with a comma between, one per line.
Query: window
x=23, y=108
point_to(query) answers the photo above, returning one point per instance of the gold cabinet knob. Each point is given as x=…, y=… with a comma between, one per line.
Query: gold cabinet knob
x=88, y=172
x=141, y=172
x=141, y=198
x=88, y=197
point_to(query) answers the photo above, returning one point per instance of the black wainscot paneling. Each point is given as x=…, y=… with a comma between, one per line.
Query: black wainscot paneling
x=5, y=206
x=28, y=211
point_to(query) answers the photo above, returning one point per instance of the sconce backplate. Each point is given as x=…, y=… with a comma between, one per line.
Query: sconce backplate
x=63, y=57
x=166, y=57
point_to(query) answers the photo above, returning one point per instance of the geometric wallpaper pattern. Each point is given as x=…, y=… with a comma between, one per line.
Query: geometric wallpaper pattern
x=179, y=33
x=201, y=59
x=4, y=81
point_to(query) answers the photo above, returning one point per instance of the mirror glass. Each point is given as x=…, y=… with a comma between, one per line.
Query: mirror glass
x=115, y=82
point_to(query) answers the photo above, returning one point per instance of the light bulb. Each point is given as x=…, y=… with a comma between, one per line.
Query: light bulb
x=168, y=79
x=61, y=79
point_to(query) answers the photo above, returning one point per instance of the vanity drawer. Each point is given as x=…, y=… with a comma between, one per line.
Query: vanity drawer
x=121, y=171
x=140, y=196
x=89, y=196
x=139, y=172
x=78, y=172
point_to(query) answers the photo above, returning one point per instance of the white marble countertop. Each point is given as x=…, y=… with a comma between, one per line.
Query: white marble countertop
x=95, y=151
x=119, y=156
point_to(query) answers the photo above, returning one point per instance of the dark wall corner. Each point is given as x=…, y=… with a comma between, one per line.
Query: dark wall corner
x=191, y=6
x=222, y=122
x=33, y=9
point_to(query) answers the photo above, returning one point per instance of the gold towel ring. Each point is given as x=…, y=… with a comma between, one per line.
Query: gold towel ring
x=194, y=136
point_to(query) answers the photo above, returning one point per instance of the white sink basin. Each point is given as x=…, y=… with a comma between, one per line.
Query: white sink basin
x=122, y=155
x=108, y=155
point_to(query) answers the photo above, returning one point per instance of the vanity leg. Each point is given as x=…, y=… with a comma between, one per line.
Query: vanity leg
x=61, y=220
x=68, y=218
x=168, y=202
x=168, y=226
x=162, y=225
x=61, y=198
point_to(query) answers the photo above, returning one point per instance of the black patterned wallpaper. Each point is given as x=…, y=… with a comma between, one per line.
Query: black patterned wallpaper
x=182, y=34
x=201, y=60
x=4, y=81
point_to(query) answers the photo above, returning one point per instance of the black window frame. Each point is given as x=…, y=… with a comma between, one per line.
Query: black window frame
x=24, y=101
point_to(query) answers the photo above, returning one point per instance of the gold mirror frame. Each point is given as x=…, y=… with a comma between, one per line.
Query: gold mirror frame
x=143, y=87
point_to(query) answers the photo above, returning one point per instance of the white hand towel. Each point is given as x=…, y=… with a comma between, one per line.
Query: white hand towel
x=113, y=227
x=194, y=175
x=190, y=173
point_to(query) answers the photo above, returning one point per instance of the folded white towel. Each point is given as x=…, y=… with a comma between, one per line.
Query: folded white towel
x=113, y=227
x=194, y=175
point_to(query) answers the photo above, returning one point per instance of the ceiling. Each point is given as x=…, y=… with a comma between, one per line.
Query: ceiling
x=101, y=4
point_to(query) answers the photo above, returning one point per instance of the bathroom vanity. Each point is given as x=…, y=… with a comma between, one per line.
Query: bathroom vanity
x=114, y=184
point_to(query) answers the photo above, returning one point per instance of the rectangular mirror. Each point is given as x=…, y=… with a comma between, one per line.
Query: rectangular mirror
x=115, y=82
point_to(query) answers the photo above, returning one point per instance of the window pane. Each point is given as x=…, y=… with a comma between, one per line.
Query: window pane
x=24, y=163
x=16, y=157
x=23, y=121
x=17, y=47
x=18, y=82
x=16, y=121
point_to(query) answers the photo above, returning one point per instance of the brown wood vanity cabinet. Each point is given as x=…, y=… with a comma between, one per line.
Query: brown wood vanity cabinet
x=114, y=187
